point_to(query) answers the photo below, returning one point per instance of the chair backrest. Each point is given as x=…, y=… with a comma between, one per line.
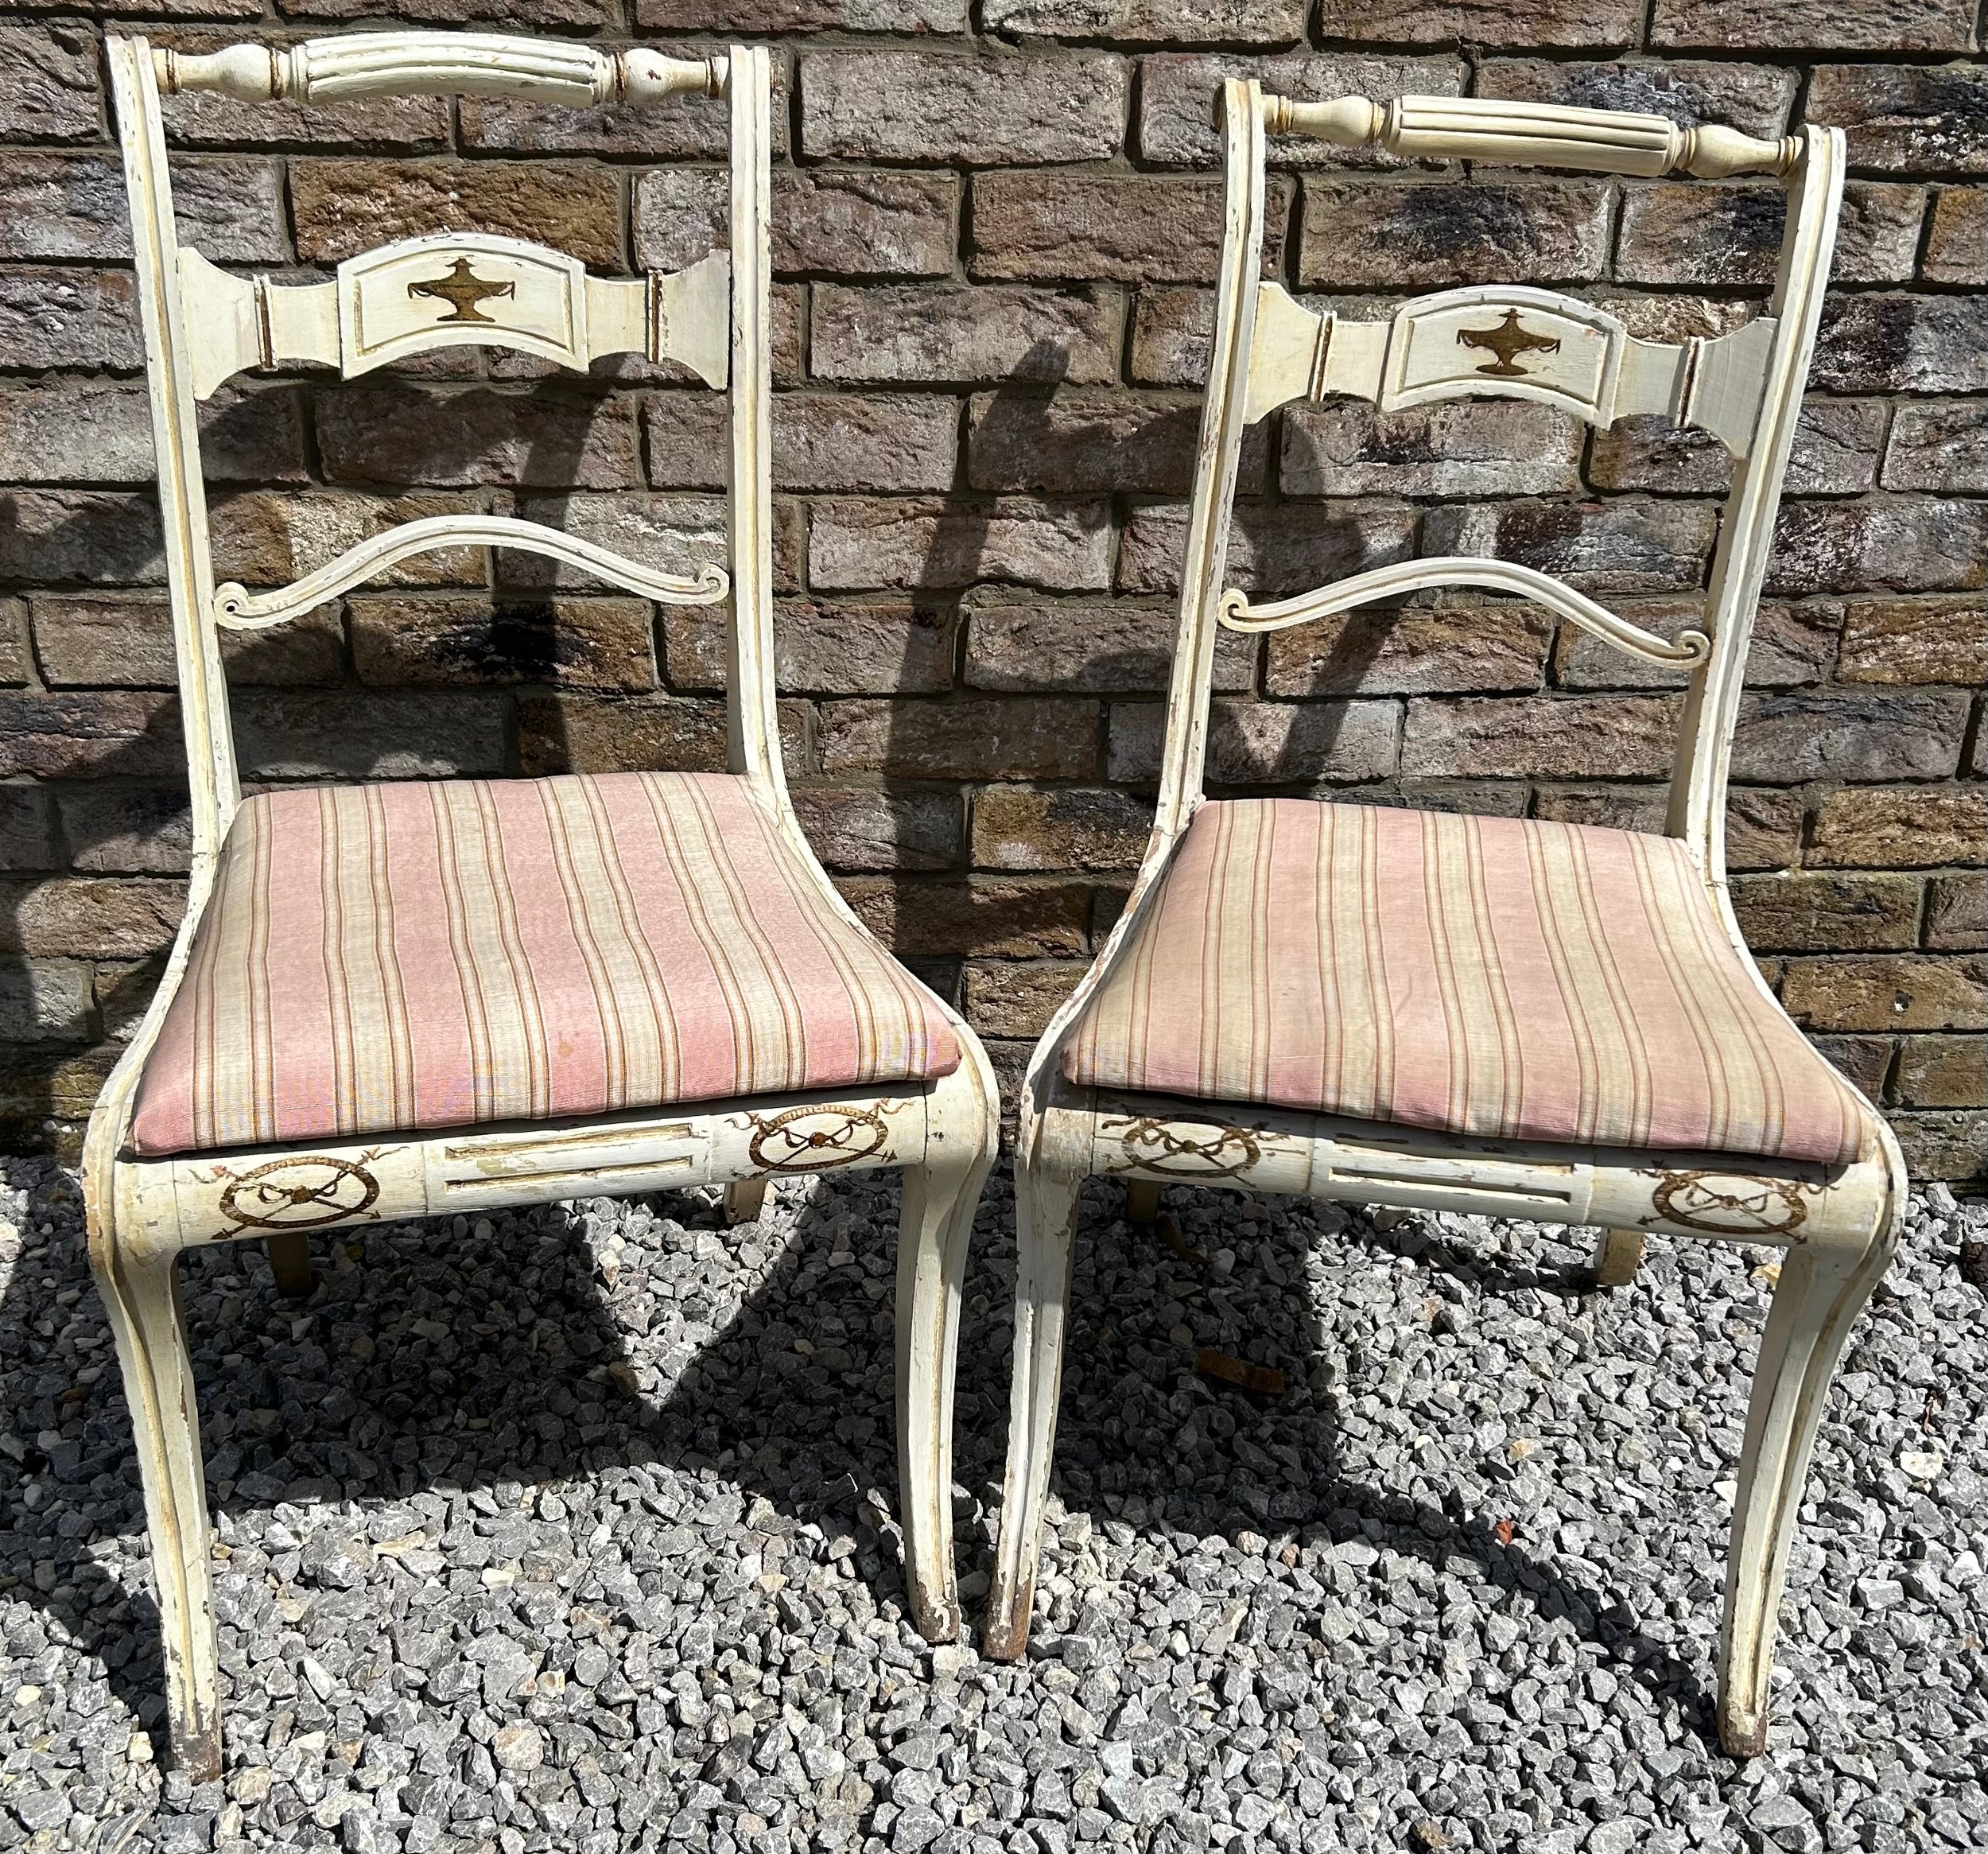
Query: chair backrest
x=1509, y=340
x=202, y=325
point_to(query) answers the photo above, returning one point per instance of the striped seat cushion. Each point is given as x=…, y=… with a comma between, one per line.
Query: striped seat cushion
x=388, y=958
x=1492, y=976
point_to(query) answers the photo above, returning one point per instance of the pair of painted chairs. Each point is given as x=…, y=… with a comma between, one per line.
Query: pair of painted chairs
x=399, y=1000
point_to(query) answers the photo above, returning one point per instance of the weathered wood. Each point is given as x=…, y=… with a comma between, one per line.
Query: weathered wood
x=744, y=1201
x=201, y=325
x=1142, y=1200
x=1836, y=1225
x=1617, y=1256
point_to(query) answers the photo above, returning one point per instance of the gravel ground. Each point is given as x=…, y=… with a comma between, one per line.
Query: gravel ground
x=573, y=1530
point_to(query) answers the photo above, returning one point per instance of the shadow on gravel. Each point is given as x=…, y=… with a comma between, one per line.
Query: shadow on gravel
x=447, y=1358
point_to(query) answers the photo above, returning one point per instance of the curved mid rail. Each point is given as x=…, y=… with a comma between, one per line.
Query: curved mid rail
x=1236, y=613
x=236, y=609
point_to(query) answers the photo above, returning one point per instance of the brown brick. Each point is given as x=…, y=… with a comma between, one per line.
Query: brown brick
x=295, y=734
x=1957, y=912
x=467, y=640
x=851, y=440
x=1020, y=827
x=48, y=85
x=13, y=642
x=686, y=128
x=44, y=1001
x=1862, y=1061
x=91, y=919
x=1950, y=1146
x=772, y=19
x=1017, y=998
x=1792, y=646
x=27, y=838
x=961, y=332
x=858, y=828
x=1388, y=235
x=1080, y=226
x=1913, y=118
x=1836, y=446
x=1255, y=743
x=1064, y=546
x=1178, y=91
x=344, y=207
x=686, y=440
x=82, y=736
x=1880, y=342
x=1957, y=242
x=1488, y=447
x=1913, y=641
x=1911, y=544
x=1870, y=25
x=127, y=829
x=1610, y=546
x=983, y=738
x=1484, y=22
x=676, y=534
x=864, y=224
x=1092, y=444
x=1689, y=233
x=943, y=107
x=125, y=641
x=1754, y=99
x=1095, y=650
x=578, y=734
x=74, y=206
x=1847, y=734
x=822, y=647
x=1417, y=650
x=1540, y=737
x=1763, y=828
x=264, y=538
x=1904, y=828
x=1171, y=331
x=1941, y=446
x=1906, y=992
x=1799, y=912
x=98, y=433
x=1944, y=1071
x=95, y=536
x=546, y=439
x=992, y=917
x=1274, y=549
x=69, y=317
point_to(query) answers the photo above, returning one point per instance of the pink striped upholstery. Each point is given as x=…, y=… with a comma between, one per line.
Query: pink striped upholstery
x=1492, y=976
x=385, y=958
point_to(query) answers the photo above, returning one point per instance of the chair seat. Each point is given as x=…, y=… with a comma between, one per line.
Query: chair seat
x=392, y=958
x=1499, y=976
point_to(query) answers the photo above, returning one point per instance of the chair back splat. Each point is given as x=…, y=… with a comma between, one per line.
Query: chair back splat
x=1493, y=1016
x=402, y=1000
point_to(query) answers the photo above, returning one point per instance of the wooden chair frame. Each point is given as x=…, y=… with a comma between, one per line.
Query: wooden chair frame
x=1838, y=1225
x=202, y=325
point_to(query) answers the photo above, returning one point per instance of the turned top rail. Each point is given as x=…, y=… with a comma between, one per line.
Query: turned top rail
x=1520, y=134
x=429, y=64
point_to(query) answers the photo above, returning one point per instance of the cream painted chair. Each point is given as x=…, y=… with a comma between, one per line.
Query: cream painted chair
x=397, y=1000
x=1495, y=1016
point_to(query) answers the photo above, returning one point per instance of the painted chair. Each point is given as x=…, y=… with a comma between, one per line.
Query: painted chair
x=401, y=999
x=1503, y=1017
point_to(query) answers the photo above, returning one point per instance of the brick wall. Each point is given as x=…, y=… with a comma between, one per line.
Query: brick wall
x=994, y=234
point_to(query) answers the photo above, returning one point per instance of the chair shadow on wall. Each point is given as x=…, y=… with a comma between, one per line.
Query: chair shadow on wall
x=457, y=1412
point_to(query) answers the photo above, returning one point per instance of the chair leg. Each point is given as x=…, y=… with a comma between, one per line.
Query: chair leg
x=290, y=1261
x=1823, y=1287
x=940, y=1198
x=1617, y=1256
x=141, y=1294
x=744, y=1200
x=1045, y=1226
x=1142, y=1200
